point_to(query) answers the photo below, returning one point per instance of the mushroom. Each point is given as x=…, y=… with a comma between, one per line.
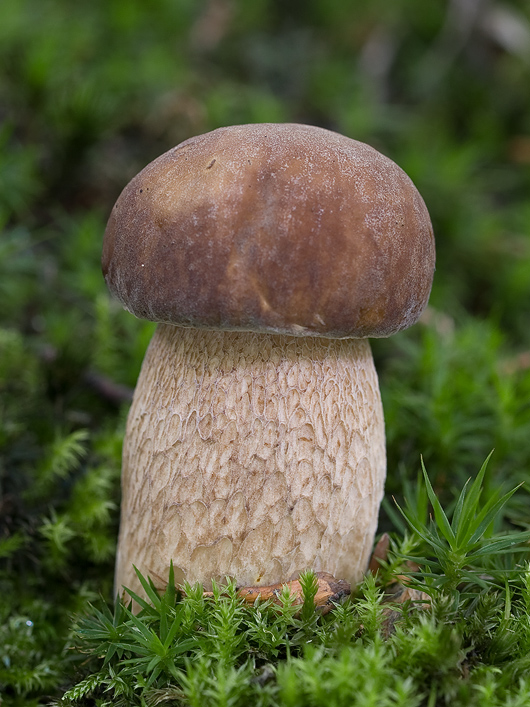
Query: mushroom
x=255, y=443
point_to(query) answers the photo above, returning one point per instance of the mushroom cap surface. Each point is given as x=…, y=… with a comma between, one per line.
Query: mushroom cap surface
x=280, y=228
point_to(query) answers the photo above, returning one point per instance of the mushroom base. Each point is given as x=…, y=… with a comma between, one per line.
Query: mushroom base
x=252, y=456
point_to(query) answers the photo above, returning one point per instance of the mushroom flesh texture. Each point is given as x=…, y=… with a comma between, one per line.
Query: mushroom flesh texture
x=255, y=443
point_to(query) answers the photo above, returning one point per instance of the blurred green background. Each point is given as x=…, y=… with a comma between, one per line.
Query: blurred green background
x=91, y=92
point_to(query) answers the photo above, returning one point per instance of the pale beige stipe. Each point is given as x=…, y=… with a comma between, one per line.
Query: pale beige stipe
x=255, y=456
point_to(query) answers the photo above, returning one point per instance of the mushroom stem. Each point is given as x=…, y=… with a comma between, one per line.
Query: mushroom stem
x=254, y=456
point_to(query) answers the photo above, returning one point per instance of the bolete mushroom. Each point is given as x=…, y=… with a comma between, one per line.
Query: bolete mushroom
x=255, y=443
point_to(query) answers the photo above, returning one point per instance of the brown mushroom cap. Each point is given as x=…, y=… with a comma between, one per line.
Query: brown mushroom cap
x=272, y=227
